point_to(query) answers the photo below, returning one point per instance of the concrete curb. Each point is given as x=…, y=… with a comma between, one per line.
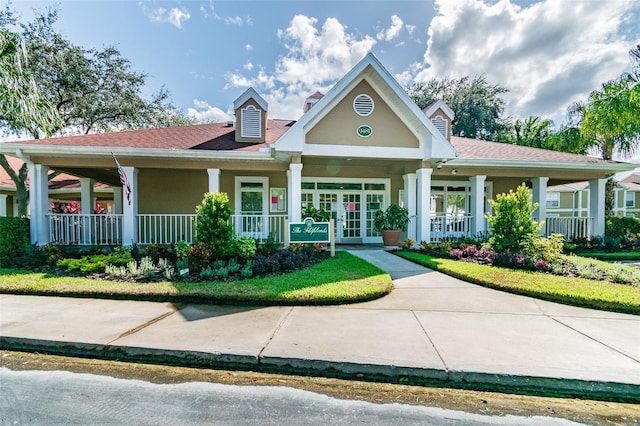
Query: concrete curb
x=525, y=385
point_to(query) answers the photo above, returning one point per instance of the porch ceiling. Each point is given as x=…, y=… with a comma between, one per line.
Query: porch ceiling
x=391, y=167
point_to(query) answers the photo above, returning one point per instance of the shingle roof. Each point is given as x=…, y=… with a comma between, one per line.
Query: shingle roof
x=569, y=187
x=62, y=181
x=476, y=149
x=632, y=182
x=212, y=136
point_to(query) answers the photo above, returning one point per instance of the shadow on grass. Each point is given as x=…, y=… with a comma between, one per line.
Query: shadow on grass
x=343, y=279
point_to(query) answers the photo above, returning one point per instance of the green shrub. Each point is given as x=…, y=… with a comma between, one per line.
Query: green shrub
x=199, y=257
x=14, y=237
x=246, y=247
x=541, y=248
x=315, y=214
x=157, y=252
x=213, y=226
x=512, y=223
x=95, y=263
x=618, y=227
x=268, y=246
x=181, y=249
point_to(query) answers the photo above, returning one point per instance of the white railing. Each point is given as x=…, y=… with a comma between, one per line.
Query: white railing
x=259, y=227
x=443, y=227
x=166, y=228
x=570, y=227
x=85, y=229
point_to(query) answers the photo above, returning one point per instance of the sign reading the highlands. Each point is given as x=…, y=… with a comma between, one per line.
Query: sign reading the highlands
x=364, y=131
x=309, y=232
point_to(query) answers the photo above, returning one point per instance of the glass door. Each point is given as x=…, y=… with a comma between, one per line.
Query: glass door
x=351, y=228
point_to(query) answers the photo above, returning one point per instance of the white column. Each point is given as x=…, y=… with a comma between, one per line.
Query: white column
x=3, y=205
x=294, y=187
x=130, y=208
x=423, y=230
x=117, y=200
x=39, y=203
x=410, y=203
x=596, y=205
x=86, y=195
x=539, y=185
x=214, y=180
x=478, y=225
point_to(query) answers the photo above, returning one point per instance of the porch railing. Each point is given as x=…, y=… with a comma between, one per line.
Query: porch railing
x=259, y=227
x=85, y=229
x=443, y=227
x=570, y=227
x=166, y=228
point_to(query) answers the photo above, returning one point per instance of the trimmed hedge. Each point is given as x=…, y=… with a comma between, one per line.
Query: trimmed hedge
x=14, y=237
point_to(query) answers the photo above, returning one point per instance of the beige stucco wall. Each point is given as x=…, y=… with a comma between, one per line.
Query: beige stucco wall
x=339, y=126
x=176, y=191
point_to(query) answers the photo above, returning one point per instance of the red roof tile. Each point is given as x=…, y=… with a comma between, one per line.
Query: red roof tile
x=212, y=136
x=475, y=149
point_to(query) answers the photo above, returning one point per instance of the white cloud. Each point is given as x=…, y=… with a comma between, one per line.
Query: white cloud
x=547, y=54
x=410, y=29
x=393, y=31
x=205, y=113
x=248, y=47
x=248, y=66
x=315, y=59
x=173, y=16
x=234, y=20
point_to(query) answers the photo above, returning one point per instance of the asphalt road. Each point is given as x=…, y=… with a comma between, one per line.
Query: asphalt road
x=61, y=397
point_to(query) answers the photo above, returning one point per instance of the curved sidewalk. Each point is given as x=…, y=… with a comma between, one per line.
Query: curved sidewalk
x=432, y=329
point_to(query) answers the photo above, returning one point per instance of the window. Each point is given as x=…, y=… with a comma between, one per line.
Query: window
x=251, y=122
x=629, y=199
x=553, y=199
x=363, y=105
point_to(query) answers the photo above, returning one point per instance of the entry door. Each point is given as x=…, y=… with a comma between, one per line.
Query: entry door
x=351, y=218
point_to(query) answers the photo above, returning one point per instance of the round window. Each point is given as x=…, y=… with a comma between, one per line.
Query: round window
x=363, y=105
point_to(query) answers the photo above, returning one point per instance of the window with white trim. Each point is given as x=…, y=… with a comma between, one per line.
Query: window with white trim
x=553, y=199
x=629, y=199
x=251, y=122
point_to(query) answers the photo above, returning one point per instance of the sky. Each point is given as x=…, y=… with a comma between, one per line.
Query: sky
x=548, y=53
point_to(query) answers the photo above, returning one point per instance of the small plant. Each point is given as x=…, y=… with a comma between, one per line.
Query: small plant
x=222, y=273
x=268, y=246
x=213, y=227
x=218, y=263
x=199, y=256
x=208, y=273
x=394, y=218
x=168, y=273
x=247, y=270
x=407, y=244
x=246, y=247
x=116, y=271
x=182, y=264
x=182, y=248
x=233, y=266
x=318, y=215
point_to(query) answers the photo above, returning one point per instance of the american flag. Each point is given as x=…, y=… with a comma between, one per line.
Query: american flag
x=123, y=179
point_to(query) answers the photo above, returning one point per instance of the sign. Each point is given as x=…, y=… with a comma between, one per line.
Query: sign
x=364, y=131
x=309, y=232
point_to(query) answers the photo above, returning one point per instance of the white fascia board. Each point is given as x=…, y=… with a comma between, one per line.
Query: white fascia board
x=439, y=104
x=614, y=167
x=351, y=151
x=100, y=151
x=249, y=94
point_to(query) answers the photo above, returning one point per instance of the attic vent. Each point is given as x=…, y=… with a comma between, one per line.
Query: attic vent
x=363, y=105
x=251, y=122
x=441, y=124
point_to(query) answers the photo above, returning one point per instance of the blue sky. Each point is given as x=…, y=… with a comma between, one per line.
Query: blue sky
x=547, y=53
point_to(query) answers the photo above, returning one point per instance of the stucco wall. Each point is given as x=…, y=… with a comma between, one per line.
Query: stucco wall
x=170, y=191
x=338, y=127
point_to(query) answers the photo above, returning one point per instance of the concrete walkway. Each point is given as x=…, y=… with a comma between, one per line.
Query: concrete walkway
x=431, y=329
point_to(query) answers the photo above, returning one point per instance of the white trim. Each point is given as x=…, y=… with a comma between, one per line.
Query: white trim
x=251, y=122
x=429, y=110
x=239, y=180
x=359, y=100
x=250, y=93
x=464, y=162
x=354, y=151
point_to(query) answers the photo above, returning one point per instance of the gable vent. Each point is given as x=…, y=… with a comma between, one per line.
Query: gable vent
x=363, y=105
x=441, y=125
x=251, y=122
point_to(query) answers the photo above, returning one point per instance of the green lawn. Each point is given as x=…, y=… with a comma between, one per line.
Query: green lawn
x=572, y=291
x=343, y=279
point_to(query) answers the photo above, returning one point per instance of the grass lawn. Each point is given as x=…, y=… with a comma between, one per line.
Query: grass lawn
x=621, y=255
x=572, y=291
x=343, y=279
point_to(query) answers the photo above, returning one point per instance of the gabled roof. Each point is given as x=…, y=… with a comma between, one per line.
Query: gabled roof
x=631, y=182
x=569, y=187
x=429, y=110
x=369, y=67
x=250, y=93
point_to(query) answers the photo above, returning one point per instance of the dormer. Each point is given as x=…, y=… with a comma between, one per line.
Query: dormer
x=441, y=116
x=312, y=100
x=251, y=117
